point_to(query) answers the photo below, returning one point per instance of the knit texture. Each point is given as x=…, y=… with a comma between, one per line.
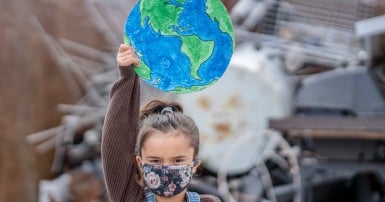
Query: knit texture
x=119, y=135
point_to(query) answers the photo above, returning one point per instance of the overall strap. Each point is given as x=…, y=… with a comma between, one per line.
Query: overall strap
x=193, y=197
x=150, y=197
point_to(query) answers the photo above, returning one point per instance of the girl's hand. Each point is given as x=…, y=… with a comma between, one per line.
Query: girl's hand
x=126, y=56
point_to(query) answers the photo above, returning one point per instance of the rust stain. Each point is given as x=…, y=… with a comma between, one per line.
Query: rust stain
x=222, y=127
x=223, y=130
x=221, y=137
x=233, y=101
x=204, y=103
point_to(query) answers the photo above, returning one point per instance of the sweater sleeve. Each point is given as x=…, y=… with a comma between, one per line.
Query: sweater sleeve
x=119, y=138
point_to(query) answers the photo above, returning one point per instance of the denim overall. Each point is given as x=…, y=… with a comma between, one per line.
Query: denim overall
x=191, y=197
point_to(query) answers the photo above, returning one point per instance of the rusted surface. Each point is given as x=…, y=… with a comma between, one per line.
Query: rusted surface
x=332, y=127
x=336, y=123
x=204, y=103
x=223, y=130
x=31, y=85
x=234, y=101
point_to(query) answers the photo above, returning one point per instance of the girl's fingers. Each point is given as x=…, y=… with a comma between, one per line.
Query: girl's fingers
x=136, y=62
x=124, y=47
x=126, y=56
x=127, y=61
x=126, y=53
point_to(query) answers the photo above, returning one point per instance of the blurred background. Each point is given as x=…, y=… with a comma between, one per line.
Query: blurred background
x=299, y=115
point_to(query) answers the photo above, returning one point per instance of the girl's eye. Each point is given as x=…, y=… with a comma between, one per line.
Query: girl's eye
x=178, y=160
x=154, y=161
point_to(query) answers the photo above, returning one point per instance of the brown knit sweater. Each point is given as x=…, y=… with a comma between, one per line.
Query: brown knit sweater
x=119, y=139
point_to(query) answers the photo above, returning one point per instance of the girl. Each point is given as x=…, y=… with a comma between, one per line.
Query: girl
x=147, y=156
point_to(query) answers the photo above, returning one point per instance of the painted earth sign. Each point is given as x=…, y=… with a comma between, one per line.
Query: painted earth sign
x=184, y=45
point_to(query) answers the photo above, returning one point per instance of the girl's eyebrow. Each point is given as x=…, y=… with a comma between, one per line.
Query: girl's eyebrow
x=179, y=157
x=153, y=157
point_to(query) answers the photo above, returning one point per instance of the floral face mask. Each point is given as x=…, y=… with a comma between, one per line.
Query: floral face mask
x=167, y=180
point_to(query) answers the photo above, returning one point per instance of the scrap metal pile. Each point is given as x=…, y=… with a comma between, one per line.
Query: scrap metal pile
x=89, y=72
x=333, y=51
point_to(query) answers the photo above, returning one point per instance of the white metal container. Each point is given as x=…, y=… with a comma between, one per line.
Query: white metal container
x=253, y=89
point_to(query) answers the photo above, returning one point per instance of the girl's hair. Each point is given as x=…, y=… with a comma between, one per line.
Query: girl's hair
x=166, y=117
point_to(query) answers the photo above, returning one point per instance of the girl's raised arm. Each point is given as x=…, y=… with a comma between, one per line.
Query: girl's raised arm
x=120, y=131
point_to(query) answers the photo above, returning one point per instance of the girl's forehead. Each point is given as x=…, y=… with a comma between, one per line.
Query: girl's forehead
x=167, y=145
x=167, y=137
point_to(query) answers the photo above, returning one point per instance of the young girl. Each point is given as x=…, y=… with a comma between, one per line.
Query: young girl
x=147, y=156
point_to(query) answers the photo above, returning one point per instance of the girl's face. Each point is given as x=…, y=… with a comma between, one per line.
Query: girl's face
x=167, y=149
x=174, y=152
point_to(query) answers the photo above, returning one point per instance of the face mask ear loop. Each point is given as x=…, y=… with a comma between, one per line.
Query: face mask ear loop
x=141, y=161
x=196, y=161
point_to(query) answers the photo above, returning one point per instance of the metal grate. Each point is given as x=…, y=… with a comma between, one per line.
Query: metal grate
x=321, y=28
